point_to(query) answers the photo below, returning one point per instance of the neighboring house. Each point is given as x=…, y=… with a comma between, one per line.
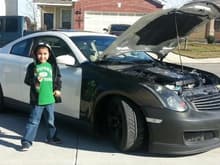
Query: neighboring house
x=93, y=15
x=2, y=8
x=10, y=7
x=216, y=23
x=211, y=29
x=16, y=8
x=96, y=15
x=55, y=14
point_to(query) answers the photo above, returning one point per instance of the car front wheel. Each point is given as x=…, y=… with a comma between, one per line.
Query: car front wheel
x=125, y=124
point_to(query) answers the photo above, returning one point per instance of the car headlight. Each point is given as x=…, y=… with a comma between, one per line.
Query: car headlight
x=169, y=98
x=218, y=86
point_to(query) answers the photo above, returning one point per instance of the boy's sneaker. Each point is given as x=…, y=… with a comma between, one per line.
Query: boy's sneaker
x=54, y=140
x=25, y=146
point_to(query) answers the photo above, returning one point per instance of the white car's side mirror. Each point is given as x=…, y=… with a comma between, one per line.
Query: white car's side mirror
x=66, y=59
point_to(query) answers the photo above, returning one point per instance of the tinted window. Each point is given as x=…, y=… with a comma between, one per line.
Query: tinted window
x=22, y=48
x=59, y=47
x=11, y=25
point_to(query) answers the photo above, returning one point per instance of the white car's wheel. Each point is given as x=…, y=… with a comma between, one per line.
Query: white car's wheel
x=125, y=125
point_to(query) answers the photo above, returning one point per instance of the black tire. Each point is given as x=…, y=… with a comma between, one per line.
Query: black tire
x=125, y=124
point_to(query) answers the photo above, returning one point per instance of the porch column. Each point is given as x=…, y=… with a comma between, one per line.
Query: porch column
x=210, y=30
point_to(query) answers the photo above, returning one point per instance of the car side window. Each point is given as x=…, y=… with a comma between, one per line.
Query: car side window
x=59, y=47
x=22, y=48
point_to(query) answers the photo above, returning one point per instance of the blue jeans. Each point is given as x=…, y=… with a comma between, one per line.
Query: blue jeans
x=34, y=121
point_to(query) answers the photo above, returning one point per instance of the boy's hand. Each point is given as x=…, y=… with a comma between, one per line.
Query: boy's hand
x=39, y=78
x=57, y=93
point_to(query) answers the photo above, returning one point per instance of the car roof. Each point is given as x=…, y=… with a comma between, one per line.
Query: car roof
x=71, y=33
x=58, y=33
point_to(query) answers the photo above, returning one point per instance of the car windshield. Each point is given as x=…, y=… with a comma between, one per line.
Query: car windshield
x=131, y=57
x=92, y=46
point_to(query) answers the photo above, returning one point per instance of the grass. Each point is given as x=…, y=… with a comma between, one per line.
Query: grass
x=199, y=50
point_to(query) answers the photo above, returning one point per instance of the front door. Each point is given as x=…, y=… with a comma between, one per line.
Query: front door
x=48, y=21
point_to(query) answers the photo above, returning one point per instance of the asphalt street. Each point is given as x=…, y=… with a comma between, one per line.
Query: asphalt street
x=80, y=147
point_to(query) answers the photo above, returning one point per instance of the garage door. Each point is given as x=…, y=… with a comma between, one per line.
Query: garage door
x=96, y=21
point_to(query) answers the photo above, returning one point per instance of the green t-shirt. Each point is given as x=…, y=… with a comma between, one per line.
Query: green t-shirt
x=44, y=70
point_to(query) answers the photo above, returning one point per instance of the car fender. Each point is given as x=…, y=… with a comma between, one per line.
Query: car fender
x=140, y=97
x=96, y=88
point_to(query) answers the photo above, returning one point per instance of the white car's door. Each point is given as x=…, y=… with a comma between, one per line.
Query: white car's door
x=11, y=76
x=71, y=90
x=24, y=87
x=13, y=69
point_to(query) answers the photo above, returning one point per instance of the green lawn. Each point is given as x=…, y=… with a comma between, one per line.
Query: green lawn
x=200, y=50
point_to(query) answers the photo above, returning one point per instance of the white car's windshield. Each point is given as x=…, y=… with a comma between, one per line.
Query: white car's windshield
x=130, y=57
x=92, y=46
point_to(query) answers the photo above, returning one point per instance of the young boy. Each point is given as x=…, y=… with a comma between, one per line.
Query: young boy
x=43, y=77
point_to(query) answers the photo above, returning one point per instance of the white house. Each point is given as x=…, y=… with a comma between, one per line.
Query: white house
x=2, y=7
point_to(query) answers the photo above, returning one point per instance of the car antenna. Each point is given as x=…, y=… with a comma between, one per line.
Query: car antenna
x=178, y=42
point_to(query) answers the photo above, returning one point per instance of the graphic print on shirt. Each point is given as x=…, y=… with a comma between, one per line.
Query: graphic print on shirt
x=44, y=74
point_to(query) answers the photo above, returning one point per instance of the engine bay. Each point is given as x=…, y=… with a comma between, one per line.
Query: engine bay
x=186, y=82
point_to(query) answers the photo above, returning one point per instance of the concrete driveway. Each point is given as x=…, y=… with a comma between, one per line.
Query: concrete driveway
x=79, y=147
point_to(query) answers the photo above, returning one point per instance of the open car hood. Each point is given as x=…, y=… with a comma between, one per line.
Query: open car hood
x=160, y=31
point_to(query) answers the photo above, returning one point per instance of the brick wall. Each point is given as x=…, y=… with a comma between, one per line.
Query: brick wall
x=198, y=34
x=128, y=6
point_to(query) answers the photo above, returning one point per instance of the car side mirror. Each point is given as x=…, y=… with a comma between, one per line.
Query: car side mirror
x=66, y=59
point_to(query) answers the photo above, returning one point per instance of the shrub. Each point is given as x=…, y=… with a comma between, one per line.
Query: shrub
x=210, y=39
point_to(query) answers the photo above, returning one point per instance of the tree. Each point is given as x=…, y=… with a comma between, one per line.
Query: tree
x=30, y=11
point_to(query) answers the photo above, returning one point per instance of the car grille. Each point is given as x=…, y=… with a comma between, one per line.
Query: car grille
x=207, y=102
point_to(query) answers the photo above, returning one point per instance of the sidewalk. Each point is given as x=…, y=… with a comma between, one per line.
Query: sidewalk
x=174, y=58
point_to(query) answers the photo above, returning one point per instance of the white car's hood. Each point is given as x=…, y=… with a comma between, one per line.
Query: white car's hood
x=160, y=31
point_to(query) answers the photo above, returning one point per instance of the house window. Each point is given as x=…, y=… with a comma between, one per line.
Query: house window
x=66, y=19
x=217, y=25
